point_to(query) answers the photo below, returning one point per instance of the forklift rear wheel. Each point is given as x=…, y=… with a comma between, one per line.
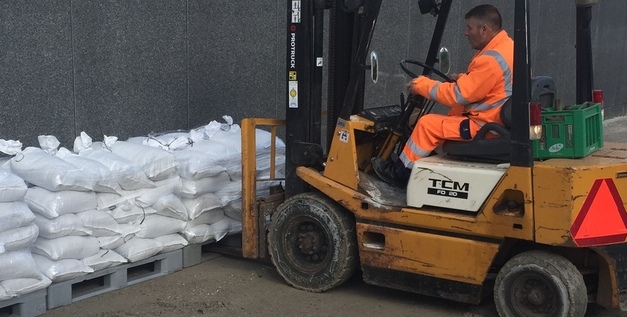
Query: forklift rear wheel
x=312, y=242
x=538, y=283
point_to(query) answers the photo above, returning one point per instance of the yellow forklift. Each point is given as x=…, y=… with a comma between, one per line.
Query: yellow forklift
x=545, y=236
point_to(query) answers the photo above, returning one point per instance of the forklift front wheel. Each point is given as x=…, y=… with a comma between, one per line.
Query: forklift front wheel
x=312, y=242
x=538, y=283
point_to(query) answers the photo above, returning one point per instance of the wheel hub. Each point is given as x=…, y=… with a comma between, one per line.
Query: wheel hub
x=534, y=297
x=309, y=242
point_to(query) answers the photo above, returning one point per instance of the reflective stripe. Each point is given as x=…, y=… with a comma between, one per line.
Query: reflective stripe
x=507, y=72
x=406, y=161
x=507, y=80
x=486, y=106
x=433, y=94
x=458, y=96
x=413, y=147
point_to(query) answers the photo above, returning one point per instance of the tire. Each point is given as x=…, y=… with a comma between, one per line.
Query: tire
x=312, y=242
x=538, y=284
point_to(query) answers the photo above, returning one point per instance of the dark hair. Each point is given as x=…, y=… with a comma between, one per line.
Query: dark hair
x=487, y=13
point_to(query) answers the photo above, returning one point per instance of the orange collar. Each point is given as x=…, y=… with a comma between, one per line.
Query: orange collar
x=494, y=42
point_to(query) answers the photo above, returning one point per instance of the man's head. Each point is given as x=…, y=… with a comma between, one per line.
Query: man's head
x=483, y=22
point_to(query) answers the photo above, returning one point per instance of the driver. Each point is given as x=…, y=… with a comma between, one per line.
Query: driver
x=475, y=98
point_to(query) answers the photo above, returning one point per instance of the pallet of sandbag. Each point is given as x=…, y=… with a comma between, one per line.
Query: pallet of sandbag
x=113, y=278
x=26, y=305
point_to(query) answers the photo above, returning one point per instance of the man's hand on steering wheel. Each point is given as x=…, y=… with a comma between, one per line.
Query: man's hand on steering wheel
x=430, y=68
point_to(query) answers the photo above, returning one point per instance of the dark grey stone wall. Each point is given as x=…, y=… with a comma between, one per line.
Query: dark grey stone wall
x=130, y=66
x=127, y=68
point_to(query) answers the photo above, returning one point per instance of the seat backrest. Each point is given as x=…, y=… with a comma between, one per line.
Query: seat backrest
x=543, y=91
x=506, y=113
x=498, y=149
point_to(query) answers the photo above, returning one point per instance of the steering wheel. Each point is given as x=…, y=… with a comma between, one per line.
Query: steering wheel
x=431, y=68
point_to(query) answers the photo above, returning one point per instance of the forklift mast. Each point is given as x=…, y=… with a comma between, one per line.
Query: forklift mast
x=351, y=26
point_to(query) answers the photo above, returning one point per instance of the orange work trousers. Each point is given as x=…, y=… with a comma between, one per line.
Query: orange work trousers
x=430, y=132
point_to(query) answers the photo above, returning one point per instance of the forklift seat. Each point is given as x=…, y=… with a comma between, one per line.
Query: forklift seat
x=498, y=150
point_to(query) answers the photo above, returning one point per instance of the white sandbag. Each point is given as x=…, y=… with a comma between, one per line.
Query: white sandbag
x=42, y=169
x=108, y=200
x=61, y=270
x=82, y=142
x=18, y=264
x=99, y=222
x=5, y=162
x=264, y=159
x=208, y=217
x=197, y=206
x=10, y=147
x=230, y=192
x=222, y=228
x=12, y=187
x=156, y=163
x=53, y=204
x=130, y=176
x=171, y=206
x=232, y=137
x=68, y=247
x=195, y=165
x=135, y=214
x=264, y=183
x=3, y=294
x=172, y=242
x=236, y=226
x=20, y=286
x=216, y=150
x=104, y=180
x=138, y=249
x=207, y=131
x=168, y=141
x=149, y=196
x=112, y=242
x=104, y=259
x=199, y=234
x=18, y=238
x=234, y=171
x=157, y=225
x=61, y=226
x=233, y=210
x=196, y=188
x=49, y=143
x=14, y=215
x=232, y=140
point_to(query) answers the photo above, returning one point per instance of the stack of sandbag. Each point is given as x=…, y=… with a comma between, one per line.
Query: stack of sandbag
x=62, y=196
x=211, y=178
x=201, y=176
x=19, y=273
x=147, y=206
x=231, y=195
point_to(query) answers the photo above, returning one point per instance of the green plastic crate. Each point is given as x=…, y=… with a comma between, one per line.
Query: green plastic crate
x=572, y=133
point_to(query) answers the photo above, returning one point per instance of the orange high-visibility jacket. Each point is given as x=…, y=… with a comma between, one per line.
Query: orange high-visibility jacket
x=480, y=92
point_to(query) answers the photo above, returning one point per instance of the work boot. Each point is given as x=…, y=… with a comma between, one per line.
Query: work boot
x=393, y=173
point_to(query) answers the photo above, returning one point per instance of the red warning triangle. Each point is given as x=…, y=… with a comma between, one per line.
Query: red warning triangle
x=602, y=218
